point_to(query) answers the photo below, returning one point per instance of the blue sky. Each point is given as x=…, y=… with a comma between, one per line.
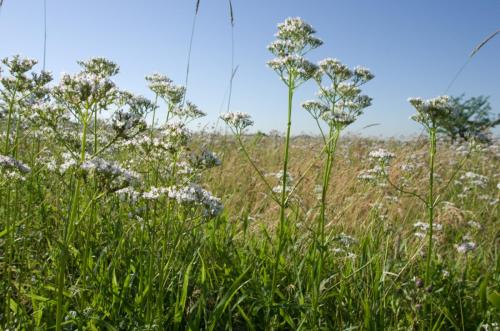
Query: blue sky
x=414, y=48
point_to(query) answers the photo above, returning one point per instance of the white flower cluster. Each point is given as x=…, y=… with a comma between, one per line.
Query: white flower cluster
x=294, y=36
x=346, y=240
x=341, y=102
x=127, y=124
x=18, y=65
x=474, y=179
x=84, y=88
x=374, y=174
x=422, y=228
x=195, y=194
x=205, y=160
x=237, y=120
x=110, y=172
x=11, y=163
x=12, y=169
x=293, y=40
x=466, y=247
x=188, y=111
x=164, y=87
x=278, y=189
x=431, y=110
x=100, y=66
x=381, y=155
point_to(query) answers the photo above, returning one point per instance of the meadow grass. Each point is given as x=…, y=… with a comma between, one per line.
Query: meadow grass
x=114, y=216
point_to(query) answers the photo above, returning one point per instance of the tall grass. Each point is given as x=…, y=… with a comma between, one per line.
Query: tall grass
x=107, y=223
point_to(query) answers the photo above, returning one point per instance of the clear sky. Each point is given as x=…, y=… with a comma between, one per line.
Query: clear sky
x=414, y=48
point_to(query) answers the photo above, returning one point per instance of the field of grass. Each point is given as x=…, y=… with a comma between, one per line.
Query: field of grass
x=114, y=216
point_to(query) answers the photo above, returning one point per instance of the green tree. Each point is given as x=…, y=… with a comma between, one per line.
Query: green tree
x=470, y=118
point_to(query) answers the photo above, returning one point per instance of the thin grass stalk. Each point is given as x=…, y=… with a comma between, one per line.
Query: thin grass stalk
x=44, y=33
x=193, y=27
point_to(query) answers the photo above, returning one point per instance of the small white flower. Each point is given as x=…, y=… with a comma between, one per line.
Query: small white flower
x=466, y=247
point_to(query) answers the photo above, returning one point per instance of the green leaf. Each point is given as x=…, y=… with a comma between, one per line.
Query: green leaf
x=494, y=299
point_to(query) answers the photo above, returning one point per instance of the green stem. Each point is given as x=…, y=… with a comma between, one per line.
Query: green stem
x=430, y=202
x=319, y=246
x=9, y=122
x=283, y=226
x=68, y=226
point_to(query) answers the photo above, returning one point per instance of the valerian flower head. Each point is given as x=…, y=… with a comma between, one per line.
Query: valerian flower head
x=100, y=66
x=315, y=108
x=19, y=66
x=362, y=74
x=429, y=112
x=111, y=175
x=381, y=155
x=136, y=103
x=466, y=247
x=341, y=101
x=188, y=111
x=294, y=69
x=334, y=69
x=237, y=120
x=175, y=134
x=127, y=124
x=339, y=118
x=12, y=169
x=294, y=36
x=7, y=162
x=205, y=160
x=293, y=40
x=85, y=88
x=164, y=87
x=194, y=194
x=347, y=90
x=21, y=89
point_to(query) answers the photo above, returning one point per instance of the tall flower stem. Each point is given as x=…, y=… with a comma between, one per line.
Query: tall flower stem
x=68, y=227
x=430, y=201
x=320, y=243
x=9, y=122
x=283, y=226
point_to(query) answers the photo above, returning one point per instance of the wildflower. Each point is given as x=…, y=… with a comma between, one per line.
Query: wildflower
x=10, y=163
x=127, y=124
x=474, y=224
x=381, y=155
x=294, y=36
x=164, y=87
x=341, y=102
x=466, y=247
x=175, y=134
x=188, y=111
x=474, y=179
x=194, y=194
x=19, y=66
x=301, y=68
x=293, y=40
x=334, y=69
x=362, y=74
x=315, y=108
x=205, y=160
x=86, y=88
x=128, y=193
x=110, y=172
x=237, y=120
x=426, y=226
x=430, y=111
x=346, y=240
